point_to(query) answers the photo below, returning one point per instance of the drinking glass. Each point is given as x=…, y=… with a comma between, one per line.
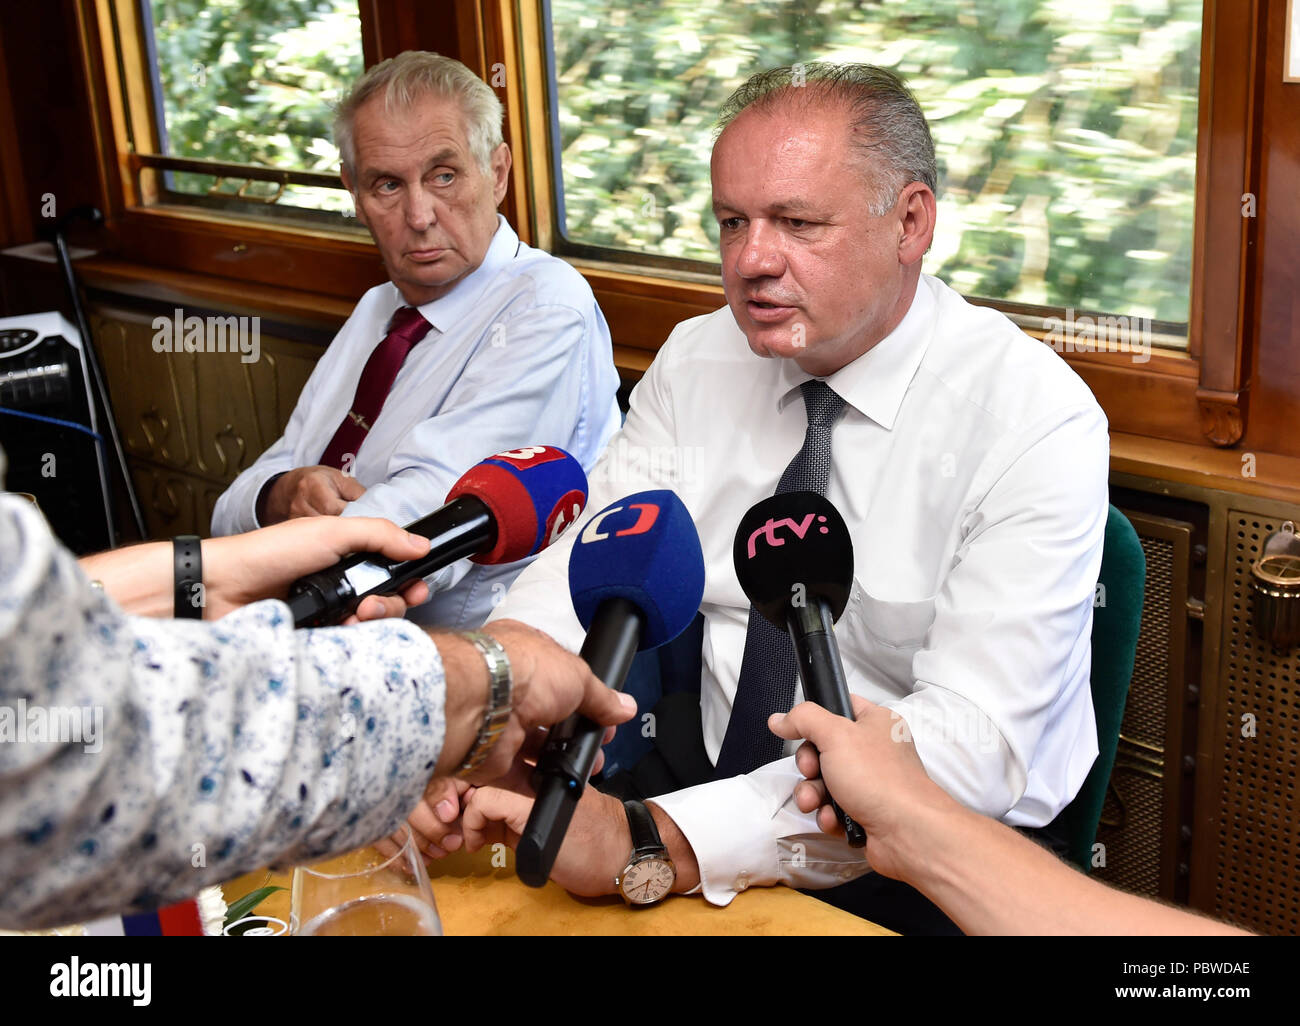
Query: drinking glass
x=363, y=894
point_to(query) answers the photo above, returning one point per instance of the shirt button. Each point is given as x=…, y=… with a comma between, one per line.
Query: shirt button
x=742, y=881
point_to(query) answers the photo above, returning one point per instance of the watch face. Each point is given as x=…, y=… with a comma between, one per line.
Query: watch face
x=648, y=880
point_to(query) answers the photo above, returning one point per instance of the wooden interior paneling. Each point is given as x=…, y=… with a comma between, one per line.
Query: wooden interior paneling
x=51, y=150
x=1275, y=382
x=197, y=414
x=191, y=422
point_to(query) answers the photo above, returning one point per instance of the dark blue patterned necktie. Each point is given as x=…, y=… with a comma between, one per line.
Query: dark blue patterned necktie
x=768, y=673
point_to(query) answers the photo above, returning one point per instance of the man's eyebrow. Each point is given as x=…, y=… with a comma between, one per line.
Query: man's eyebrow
x=446, y=155
x=796, y=208
x=800, y=209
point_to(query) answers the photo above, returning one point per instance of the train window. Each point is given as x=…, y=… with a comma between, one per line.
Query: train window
x=239, y=97
x=1065, y=134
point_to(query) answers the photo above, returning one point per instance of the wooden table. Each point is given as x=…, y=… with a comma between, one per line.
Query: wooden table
x=476, y=898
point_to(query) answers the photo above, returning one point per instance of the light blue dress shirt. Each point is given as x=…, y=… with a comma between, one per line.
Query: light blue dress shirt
x=519, y=354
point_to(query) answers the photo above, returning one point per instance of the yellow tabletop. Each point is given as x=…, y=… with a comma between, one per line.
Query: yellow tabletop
x=477, y=898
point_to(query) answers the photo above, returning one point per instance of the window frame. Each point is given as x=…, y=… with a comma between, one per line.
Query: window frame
x=336, y=262
x=1199, y=396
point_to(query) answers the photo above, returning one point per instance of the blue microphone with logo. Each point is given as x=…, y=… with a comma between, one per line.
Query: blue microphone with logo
x=636, y=576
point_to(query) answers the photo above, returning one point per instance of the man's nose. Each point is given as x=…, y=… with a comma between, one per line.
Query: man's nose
x=421, y=209
x=760, y=254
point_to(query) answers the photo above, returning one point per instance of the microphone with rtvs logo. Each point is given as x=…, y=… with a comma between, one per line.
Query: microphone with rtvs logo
x=636, y=577
x=504, y=509
x=794, y=559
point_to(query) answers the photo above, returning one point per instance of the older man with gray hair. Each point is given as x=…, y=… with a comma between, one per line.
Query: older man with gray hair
x=477, y=343
x=969, y=463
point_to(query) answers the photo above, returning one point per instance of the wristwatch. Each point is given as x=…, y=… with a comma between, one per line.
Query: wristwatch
x=649, y=874
x=499, y=704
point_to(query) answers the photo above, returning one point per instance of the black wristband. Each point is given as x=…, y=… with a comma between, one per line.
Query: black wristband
x=187, y=601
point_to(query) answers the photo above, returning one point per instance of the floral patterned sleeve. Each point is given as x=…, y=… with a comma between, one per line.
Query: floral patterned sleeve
x=141, y=760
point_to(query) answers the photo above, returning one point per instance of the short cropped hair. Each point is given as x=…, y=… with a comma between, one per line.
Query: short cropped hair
x=889, y=128
x=410, y=76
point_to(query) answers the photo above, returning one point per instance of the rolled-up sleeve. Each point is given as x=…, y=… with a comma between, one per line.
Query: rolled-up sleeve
x=186, y=753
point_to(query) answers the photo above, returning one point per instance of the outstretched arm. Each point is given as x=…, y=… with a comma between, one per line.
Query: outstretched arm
x=984, y=875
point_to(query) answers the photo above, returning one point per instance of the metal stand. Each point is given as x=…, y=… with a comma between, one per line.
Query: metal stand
x=96, y=386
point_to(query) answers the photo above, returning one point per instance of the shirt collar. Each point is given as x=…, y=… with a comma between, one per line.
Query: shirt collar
x=875, y=383
x=449, y=310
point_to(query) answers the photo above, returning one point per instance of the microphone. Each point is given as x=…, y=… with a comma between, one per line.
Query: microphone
x=509, y=507
x=636, y=577
x=794, y=559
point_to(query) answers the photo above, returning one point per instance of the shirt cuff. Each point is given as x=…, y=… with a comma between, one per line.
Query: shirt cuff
x=259, y=495
x=746, y=832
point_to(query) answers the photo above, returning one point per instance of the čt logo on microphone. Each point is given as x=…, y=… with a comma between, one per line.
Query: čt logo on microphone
x=647, y=514
x=769, y=529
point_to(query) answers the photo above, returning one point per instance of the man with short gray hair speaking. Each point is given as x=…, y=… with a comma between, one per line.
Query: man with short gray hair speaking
x=477, y=343
x=969, y=463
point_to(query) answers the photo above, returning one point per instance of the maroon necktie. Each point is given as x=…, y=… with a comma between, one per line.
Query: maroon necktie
x=405, y=329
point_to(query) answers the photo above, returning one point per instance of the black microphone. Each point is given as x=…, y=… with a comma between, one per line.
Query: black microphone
x=794, y=560
x=636, y=577
x=460, y=528
x=504, y=509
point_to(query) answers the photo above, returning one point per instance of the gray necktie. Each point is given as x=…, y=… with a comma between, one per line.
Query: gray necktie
x=768, y=673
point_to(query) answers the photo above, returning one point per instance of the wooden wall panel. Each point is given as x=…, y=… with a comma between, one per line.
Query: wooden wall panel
x=53, y=146
x=190, y=422
x=1274, y=424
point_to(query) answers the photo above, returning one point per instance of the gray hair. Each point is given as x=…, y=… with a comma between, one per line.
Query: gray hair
x=415, y=74
x=888, y=126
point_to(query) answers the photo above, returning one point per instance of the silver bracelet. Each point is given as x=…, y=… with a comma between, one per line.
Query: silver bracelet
x=499, y=707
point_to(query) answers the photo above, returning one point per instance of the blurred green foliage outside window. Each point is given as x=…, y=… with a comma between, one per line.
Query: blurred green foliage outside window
x=1065, y=131
x=254, y=82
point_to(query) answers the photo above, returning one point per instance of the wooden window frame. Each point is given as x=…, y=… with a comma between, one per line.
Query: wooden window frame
x=334, y=263
x=1199, y=396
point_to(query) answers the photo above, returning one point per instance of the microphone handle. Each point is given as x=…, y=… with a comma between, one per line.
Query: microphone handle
x=461, y=528
x=812, y=629
x=571, y=747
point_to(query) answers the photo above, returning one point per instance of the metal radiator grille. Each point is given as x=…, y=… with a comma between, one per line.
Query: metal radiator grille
x=1131, y=821
x=1257, y=882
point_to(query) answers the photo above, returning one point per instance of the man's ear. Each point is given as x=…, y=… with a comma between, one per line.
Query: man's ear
x=917, y=212
x=501, y=163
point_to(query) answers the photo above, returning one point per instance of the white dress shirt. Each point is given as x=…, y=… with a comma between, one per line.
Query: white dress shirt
x=971, y=469
x=188, y=752
x=519, y=354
